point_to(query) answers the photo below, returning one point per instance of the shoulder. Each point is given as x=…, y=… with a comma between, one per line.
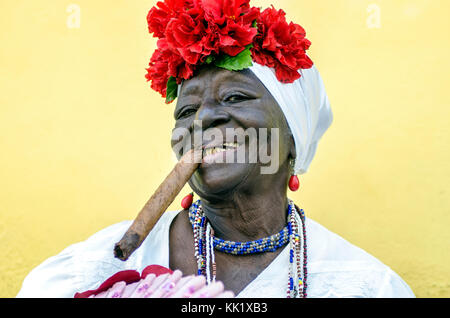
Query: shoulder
x=82, y=266
x=337, y=268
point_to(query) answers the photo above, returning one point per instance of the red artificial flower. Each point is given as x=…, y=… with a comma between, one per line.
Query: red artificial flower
x=234, y=37
x=165, y=64
x=185, y=35
x=157, y=72
x=194, y=32
x=281, y=45
x=234, y=19
x=158, y=17
x=157, y=20
x=219, y=11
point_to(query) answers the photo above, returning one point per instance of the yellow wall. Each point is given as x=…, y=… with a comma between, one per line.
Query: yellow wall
x=84, y=141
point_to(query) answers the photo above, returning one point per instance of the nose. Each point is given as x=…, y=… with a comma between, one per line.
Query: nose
x=211, y=115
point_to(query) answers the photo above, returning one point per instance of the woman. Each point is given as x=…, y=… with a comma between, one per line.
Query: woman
x=233, y=67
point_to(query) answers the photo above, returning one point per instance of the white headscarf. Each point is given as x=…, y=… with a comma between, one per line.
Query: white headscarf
x=306, y=108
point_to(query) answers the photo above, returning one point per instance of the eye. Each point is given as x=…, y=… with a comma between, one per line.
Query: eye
x=235, y=98
x=186, y=112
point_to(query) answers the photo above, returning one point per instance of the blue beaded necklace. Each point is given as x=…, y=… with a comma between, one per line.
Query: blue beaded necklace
x=205, y=243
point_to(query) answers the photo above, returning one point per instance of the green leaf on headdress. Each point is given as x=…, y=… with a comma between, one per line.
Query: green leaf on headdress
x=172, y=90
x=209, y=59
x=236, y=63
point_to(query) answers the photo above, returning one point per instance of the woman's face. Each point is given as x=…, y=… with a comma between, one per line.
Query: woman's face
x=226, y=109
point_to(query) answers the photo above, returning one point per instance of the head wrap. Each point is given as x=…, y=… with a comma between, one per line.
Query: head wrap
x=306, y=107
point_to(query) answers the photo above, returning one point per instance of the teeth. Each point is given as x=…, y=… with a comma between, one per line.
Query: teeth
x=231, y=145
x=210, y=151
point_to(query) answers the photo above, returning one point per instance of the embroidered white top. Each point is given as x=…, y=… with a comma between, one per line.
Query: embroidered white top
x=336, y=268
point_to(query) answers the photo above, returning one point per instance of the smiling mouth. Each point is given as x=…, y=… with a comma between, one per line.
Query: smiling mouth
x=218, y=149
x=218, y=153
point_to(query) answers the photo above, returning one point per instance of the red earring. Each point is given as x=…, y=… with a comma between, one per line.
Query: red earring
x=294, y=184
x=187, y=201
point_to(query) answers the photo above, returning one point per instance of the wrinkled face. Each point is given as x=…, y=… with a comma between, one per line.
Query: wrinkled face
x=240, y=125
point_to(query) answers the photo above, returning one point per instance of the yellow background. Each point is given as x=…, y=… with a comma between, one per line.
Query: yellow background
x=84, y=141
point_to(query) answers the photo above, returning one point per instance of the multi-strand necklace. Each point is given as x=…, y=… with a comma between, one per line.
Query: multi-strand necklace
x=294, y=234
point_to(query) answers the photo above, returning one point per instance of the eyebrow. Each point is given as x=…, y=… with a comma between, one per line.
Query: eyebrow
x=240, y=78
x=194, y=87
x=191, y=89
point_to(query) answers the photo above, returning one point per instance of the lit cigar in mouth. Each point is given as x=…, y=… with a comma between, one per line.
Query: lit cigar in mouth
x=158, y=204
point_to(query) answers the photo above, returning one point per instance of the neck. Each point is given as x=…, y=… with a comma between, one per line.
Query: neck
x=248, y=216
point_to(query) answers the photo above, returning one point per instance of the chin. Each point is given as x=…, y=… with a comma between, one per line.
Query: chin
x=211, y=180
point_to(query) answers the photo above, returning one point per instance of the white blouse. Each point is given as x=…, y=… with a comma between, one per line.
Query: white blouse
x=336, y=268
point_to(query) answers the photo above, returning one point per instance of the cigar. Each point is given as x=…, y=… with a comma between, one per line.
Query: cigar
x=158, y=204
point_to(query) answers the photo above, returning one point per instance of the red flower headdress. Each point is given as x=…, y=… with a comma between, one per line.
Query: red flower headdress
x=228, y=33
